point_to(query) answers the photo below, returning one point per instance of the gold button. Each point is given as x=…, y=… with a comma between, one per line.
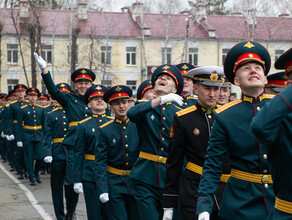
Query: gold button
x=159, y=159
x=86, y=107
x=124, y=128
x=65, y=129
x=85, y=115
x=100, y=120
x=162, y=149
x=34, y=120
x=33, y=115
x=265, y=171
x=209, y=116
x=163, y=108
x=265, y=156
x=265, y=179
x=162, y=139
x=127, y=155
x=125, y=173
x=126, y=136
x=33, y=111
x=64, y=123
x=163, y=128
x=266, y=185
x=64, y=116
x=186, y=103
x=258, y=108
x=127, y=163
x=164, y=118
x=126, y=145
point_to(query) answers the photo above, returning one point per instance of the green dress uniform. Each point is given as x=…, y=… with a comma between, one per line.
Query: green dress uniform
x=84, y=156
x=3, y=152
x=29, y=130
x=153, y=124
x=189, y=101
x=273, y=127
x=116, y=151
x=248, y=193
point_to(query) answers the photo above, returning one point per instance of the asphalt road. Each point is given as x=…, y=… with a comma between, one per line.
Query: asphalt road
x=19, y=200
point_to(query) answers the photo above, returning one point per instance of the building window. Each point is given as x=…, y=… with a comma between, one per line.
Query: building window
x=224, y=53
x=12, y=53
x=132, y=84
x=47, y=53
x=131, y=56
x=69, y=55
x=166, y=55
x=107, y=83
x=106, y=55
x=11, y=83
x=278, y=53
x=193, y=56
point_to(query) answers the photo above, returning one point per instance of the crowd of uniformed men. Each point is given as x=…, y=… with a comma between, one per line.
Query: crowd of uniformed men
x=164, y=155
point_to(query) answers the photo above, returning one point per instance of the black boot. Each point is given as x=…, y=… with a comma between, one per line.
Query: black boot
x=70, y=216
x=38, y=178
x=20, y=176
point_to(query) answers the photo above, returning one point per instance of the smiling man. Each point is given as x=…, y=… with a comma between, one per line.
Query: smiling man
x=224, y=94
x=248, y=193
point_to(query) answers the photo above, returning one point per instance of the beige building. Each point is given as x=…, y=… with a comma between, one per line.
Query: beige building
x=125, y=47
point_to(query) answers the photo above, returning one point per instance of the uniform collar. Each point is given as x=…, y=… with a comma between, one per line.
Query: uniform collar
x=251, y=99
x=32, y=104
x=97, y=116
x=205, y=109
x=121, y=122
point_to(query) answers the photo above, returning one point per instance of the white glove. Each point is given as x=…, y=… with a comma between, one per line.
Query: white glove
x=3, y=135
x=204, y=216
x=12, y=137
x=167, y=214
x=8, y=137
x=19, y=144
x=78, y=187
x=48, y=159
x=42, y=63
x=171, y=98
x=104, y=197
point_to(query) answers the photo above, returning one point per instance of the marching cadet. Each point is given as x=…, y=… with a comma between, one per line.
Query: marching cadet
x=188, y=85
x=84, y=151
x=116, y=151
x=153, y=119
x=189, y=137
x=10, y=124
x=277, y=82
x=29, y=134
x=43, y=99
x=76, y=110
x=56, y=127
x=248, y=193
x=224, y=94
x=145, y=91
x=272, y=125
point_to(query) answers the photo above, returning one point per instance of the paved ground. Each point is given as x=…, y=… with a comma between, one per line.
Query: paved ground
x=19, y=200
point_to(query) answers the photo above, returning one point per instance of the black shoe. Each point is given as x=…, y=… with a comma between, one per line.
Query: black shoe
x=32, y=183
x=12, y=169
x=43, y=172
x=25, y=175
x=38, y=179
x=4, y=160
x=20, y=176
x=70, y=216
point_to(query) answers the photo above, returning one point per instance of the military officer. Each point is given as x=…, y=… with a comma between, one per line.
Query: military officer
x=224, y=94
x=29, y=134
x=272, y=125
x=84, y=151
x=75, y=108
x=116, y=151
x=153, y=119
x=248, y=193
x=189, y=137
x=277, y=82
x=55, y=129
x=146, y=91
x=10, y=122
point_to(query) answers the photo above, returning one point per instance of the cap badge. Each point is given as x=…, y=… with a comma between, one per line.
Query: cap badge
x=62, y=85
x=83, y=71
x=214, y=76
x=119, y=94
x=223, y=80
x=250, y=55
x=98, y=88
x=118, y=88
x=249, y=45
x=184, y=67
x=166, y=67
x=196, y=131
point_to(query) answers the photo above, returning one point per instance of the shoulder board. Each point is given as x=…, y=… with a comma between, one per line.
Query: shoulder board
x=7, y=105
x=143, y=100
x=186, y=110
x=23, y=106
x=269, y=96
x=110, y=117
x=84, y=120
x=46, y=106
x=177, y=107
x=193, y=98
x=55, y=109
x=13, y=101
x=228, y=105
x=105, y=124
x=40, y=106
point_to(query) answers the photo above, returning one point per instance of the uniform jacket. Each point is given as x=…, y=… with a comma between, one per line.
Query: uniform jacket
x=231, y=133
x=56, y=127
x=117, y=147
x=85, y=142
x=153, y=126
x=273, y=127
x=73, y=104
x=189, y=101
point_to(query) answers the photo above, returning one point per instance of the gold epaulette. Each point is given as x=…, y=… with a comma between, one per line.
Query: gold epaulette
x=13, y=101
x=23, y=106
x=218, y=106
x=186, y=110
x=269, y=96
x=177, y=107
x=228, y=105
x=105, y=124
x=110, y=117
x=54, y=109
x=192, y=98
x=143, y=100
x=46, y=106
x=39, y=105
x=84, y=120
